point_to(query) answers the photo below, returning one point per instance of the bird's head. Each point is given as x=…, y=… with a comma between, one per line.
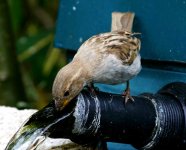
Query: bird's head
x=67, y=85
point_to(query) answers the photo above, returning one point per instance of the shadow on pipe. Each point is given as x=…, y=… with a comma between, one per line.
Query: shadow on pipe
x=153, y=121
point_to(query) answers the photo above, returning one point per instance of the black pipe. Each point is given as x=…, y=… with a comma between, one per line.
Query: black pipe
x=152, y=121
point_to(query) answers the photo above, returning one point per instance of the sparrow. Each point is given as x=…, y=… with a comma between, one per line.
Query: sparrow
x=108, y=58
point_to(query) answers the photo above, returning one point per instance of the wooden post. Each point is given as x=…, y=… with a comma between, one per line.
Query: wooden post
x=122, y=21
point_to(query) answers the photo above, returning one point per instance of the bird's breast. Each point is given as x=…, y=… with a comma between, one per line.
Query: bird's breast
x=111, y=70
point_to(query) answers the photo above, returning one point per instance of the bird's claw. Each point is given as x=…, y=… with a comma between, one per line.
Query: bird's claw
x=92, y=89
x=127, y=96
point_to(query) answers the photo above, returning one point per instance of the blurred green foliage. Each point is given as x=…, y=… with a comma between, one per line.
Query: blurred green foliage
x=33, y=23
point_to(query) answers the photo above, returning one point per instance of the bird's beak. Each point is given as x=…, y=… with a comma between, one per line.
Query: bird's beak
x=65, y=102
x=61, y=104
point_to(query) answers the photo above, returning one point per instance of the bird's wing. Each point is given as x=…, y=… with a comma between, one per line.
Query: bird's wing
x=122, y=44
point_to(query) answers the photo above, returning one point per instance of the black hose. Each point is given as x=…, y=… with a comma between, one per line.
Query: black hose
x=153, y=121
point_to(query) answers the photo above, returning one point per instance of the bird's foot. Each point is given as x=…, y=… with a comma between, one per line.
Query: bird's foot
x=127, y=97
x=92, y=89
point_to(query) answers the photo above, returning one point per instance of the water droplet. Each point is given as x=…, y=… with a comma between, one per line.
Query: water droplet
x=80, y=39
x=74, y=8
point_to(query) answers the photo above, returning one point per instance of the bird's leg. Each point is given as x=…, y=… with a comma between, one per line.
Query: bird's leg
x=126, y=93
x=92, y=89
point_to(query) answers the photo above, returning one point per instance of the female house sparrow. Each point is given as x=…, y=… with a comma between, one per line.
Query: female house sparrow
x=109, y=58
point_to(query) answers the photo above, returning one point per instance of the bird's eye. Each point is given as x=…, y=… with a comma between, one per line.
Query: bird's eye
x=66, y=93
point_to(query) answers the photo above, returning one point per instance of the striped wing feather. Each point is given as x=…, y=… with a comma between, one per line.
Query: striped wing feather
x=122, y=44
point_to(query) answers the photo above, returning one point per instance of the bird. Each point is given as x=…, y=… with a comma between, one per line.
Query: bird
x=108, y=58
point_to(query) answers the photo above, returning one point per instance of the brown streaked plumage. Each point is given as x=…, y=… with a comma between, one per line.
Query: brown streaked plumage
x=109, y=58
